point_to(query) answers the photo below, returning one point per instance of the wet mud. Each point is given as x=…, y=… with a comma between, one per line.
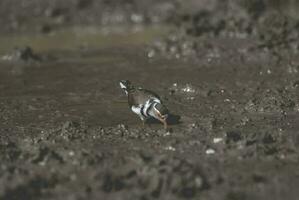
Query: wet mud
x=230, y=82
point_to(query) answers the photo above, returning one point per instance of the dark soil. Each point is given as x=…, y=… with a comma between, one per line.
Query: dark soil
x=227, y=71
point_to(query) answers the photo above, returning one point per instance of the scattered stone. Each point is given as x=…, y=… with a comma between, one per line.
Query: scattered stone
x=217, y=140
x=170, y=148
x=210, y=151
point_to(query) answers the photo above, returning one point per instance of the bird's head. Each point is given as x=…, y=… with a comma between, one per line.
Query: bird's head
x=126, y=85
x=161, y=111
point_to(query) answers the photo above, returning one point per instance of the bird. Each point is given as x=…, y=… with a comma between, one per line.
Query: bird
x=145, y=103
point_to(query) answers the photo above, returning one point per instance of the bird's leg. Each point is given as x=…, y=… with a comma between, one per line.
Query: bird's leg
x=165, y=125
x=143, y=122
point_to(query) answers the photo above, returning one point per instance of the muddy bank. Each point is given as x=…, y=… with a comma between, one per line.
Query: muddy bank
x=47, y=16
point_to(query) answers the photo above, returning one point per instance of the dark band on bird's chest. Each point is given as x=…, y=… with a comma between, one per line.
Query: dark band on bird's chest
x=142, y=111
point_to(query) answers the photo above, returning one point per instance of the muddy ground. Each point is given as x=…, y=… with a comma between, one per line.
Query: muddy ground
x=227, y=71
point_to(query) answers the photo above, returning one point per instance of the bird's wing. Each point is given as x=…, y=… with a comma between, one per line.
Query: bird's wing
x=141, y=96
x=149, y=93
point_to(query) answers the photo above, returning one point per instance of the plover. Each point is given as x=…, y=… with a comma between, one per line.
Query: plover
x=145, y=103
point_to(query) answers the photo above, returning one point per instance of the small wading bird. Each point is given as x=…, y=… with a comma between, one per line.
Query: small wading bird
x=144, y=103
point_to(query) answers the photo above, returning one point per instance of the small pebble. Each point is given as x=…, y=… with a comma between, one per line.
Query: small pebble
x=210, y=151
x=71, y=153
x=170, y=148
x=217, y=140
